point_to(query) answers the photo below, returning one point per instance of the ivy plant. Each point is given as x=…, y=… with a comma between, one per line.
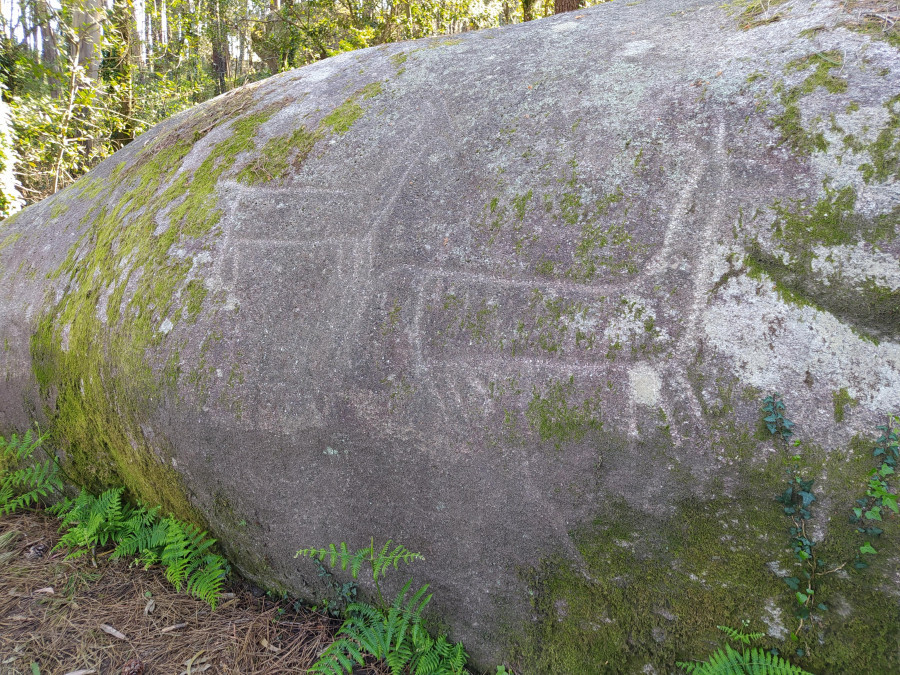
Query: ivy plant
x=879, y=502
x=777, y=424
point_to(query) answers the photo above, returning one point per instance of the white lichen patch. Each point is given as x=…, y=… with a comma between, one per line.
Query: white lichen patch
x=772, y=345
x=774, y=623
x=645, y=384
x=857, y=265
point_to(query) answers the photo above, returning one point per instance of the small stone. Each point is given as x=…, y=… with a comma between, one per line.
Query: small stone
x=133, y=667
x=36, y=551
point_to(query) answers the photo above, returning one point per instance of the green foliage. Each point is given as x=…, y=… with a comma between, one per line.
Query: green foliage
x=393, y=633
x=343, y=594
x=879, y=502
x=135, y=531
x=380, y=560
x=23, y=486
x=396, y=635
x=729, y=661
x=796, y=502
x=776, y=422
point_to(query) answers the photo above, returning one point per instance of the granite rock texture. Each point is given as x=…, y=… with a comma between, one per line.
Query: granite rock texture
x=512, y=298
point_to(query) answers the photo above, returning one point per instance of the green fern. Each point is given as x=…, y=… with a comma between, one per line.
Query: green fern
x=379, y=560
x=91, y=521
x=181, y=548
x=395, y=635
x=22, y=487
x=753, y=661
x=740, y=636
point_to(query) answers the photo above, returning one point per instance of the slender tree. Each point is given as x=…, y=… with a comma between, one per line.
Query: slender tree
x=560, y=6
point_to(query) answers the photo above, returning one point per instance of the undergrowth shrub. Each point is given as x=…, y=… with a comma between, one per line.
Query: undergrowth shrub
x=184, y=551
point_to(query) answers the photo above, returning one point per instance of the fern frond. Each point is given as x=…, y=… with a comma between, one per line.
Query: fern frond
x=92, y=521
x=755, y=661
x=383, y=560
x=380, y=560
x=30, y=482
x=740, y=636
x=143, y=532
x=336, y=659
x=206, y=581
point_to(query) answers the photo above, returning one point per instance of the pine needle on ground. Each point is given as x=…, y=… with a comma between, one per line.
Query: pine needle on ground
x=56, y=613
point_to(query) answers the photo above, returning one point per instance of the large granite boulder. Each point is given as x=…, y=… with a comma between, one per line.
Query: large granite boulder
x=513, y=299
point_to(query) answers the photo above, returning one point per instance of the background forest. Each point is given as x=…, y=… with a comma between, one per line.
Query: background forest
x=83, y=78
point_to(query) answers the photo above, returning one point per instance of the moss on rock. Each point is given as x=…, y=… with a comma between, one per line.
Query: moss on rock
x=640, y=595
x=124, y=292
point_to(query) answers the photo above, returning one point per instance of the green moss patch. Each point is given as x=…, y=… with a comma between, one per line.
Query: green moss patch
x=790, y=121
x=637, y=595
x=830, y=221
x=842, y=400
x=885, y=150
x=92, y=350
x=279, y=155
x=345, y=115
x=551, y=415
x=755, y=13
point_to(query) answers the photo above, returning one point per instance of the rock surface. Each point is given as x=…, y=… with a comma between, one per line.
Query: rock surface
x=512, y=299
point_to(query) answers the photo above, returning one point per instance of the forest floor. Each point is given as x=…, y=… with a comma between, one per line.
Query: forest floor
x=84, y=616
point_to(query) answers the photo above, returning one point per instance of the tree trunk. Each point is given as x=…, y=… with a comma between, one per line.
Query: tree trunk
x=163, y=25
x=219, y=39
x=85, y=49
x=560, y=6
x=527, y=10
x=138, y=44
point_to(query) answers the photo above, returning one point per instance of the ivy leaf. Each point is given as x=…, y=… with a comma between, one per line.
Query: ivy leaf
x=802, y=598
x=822, y=606
x=807, y=497
x=885, y=470
x=792, y=582
x=858, y=512
x=867, y=549
x=874, y=513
